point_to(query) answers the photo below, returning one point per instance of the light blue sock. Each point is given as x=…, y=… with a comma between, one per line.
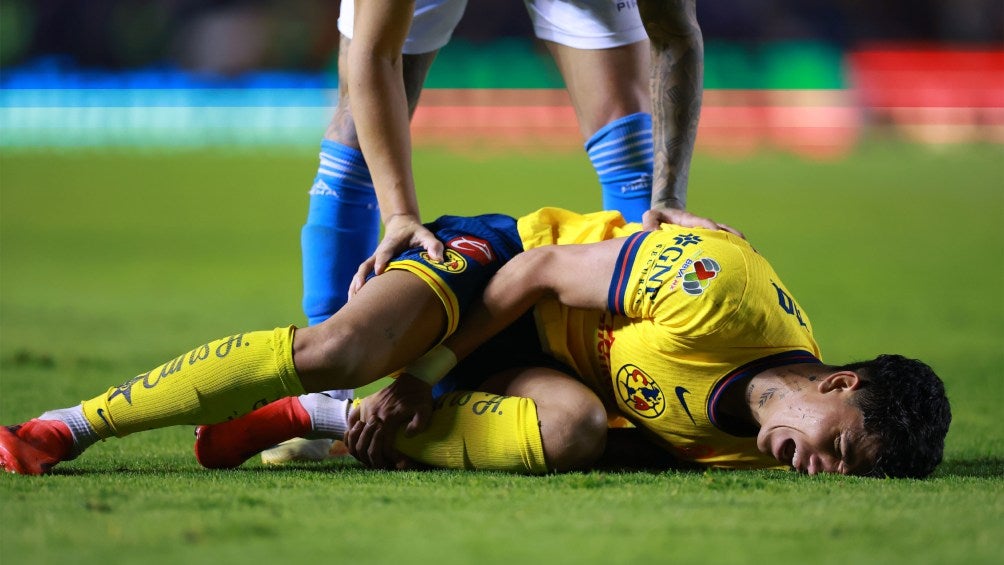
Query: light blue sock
x=342, y=229
x=621, y=153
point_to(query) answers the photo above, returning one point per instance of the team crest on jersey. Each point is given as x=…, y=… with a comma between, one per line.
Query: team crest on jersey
x=473, y=247
x=700, y=276
x=640, y=392
x=453, y=262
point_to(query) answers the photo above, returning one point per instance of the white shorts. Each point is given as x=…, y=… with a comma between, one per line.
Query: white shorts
x=587, y=24
x=582, y=24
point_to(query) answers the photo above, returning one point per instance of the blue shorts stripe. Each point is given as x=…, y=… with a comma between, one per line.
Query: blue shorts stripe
x=475, y=249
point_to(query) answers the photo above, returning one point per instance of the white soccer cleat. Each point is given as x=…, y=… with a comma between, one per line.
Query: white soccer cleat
x=300, y=449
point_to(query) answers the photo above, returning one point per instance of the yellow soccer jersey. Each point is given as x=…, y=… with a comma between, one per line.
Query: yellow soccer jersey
x=690, y=312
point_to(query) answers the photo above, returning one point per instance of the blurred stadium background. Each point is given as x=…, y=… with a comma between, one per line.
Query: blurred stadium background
x=148, y=150
x=814, y=77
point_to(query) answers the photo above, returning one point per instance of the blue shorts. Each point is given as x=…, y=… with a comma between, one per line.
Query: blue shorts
x=475, y=248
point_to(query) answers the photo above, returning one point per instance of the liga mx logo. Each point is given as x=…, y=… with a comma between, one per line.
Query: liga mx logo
x=640, y=392
x=700, y=276
x=452, y=262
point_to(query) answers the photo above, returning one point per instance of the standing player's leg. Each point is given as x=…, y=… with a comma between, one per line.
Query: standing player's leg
x=343, y=222
x=603, y=54
x=609, y=90
x=342, y=230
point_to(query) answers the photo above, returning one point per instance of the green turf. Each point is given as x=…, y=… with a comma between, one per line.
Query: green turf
x=112, y=263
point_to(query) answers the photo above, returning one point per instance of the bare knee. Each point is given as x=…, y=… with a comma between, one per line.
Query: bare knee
x=395, y=318
x=574, y=434
x=328, y=358
x=573, y=421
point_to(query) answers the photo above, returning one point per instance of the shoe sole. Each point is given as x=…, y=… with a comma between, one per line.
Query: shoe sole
x=297, y=449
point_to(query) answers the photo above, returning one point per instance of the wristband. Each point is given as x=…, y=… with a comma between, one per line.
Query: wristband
x=433, y=366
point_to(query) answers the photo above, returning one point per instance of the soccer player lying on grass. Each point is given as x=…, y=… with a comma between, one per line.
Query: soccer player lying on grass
x=688, y=333
x=639, y=137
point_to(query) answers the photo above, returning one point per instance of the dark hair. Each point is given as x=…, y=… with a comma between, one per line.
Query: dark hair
x=906, y=410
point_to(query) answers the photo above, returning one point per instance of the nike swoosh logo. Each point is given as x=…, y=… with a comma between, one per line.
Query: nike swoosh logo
x=101, y=414
x=680, y=391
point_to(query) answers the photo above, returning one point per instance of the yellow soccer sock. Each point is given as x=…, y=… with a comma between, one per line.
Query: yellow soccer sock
x=212, y=383
x=478, y=430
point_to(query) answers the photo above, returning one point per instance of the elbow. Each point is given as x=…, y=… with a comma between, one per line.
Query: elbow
x=367, y=63
x=536, y=270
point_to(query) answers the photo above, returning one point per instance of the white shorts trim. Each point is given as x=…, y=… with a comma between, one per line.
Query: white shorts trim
x=431, y=28
x=581, y=24
x=587, y=24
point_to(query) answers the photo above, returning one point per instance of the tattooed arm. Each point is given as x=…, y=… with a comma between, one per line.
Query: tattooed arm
x=677, y=89
x=676, y=84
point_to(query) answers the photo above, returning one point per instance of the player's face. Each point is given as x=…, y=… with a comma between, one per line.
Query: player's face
x=819, y=432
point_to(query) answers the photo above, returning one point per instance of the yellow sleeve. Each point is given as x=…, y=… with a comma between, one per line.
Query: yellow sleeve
x=555, y=226
x=690, y=282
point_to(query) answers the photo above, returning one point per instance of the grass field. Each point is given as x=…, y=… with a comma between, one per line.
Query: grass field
x=113, y=262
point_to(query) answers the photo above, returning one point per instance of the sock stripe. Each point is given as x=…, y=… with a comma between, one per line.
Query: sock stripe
x=644, y=135
x=341, y=157
x=345, y=178
x=621, y=152
x=628, y=155
x=623, y=161
x=335, y=163
x=342, y=228
x=625, y=147
x=359, y=176
x=344, y=166
x=633, y=146
x=348, y=180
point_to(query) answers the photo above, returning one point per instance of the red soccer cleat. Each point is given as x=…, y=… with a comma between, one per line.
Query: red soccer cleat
x=228, y=444
x=34, y=447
